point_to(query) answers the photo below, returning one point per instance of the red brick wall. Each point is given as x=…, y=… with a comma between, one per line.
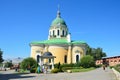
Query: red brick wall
x=112, y=61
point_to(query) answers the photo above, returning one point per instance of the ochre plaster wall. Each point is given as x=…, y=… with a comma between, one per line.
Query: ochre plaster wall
x=34, y=50
x=59, y=52
x=74, y=49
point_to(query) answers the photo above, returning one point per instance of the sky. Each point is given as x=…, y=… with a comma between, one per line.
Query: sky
x=97, y=22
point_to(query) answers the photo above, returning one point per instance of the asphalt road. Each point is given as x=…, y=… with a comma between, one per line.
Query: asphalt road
x=97, y=74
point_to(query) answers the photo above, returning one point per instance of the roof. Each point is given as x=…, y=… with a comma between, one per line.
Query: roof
x=46, y=54
x=110, y=57
x=78, y=42
x=51, y=41
x=58, y=41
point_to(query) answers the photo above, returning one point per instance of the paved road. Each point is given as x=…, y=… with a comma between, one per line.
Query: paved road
x=97, y=74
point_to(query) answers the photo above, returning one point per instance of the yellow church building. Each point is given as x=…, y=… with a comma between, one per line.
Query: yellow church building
x=59, y=46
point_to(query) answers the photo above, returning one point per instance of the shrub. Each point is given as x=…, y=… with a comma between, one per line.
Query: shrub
x=67, y=65
x=33, y=70
x=55, y=70
x=117, y=67
x=8, y=64
x=78, y=64
x=87, y=61
x=111, y=67
x=97, y=66
x=28, y=63
x=66, y=68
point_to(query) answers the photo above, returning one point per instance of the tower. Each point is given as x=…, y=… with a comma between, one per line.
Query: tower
x=58, y=28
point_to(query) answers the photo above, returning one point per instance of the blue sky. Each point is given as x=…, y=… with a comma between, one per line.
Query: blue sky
x=96, y=22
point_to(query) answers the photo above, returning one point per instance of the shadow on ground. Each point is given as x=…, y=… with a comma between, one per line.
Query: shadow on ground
x=13, y=76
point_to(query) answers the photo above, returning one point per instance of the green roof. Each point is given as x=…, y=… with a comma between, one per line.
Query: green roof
x=51, y=41
x=57, y=41
x=78, y=42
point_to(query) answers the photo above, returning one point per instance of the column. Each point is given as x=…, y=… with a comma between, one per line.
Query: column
x=40, y=62
x=69, y=57
x=52, y=63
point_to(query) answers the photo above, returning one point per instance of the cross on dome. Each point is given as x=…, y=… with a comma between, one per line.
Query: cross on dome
x=58, y=12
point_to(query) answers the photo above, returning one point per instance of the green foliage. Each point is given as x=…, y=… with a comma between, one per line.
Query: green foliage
x=61, y=66
x=117, y=67
x=78, y=64
x=98, y=66
x=96, y=53
x=111, y=67
x=87, y=61
x=28, y=63
x=33, y=70
x=57, y=65
x=1, y=59
x=82, y=69
x=8, y=64
x=55, y=70
x=66, y=68
x=67, y=65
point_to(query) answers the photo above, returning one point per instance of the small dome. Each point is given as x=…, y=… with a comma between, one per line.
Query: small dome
x=46, y=54
x=58, y=21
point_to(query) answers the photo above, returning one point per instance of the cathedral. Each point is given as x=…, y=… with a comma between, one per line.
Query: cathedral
x=59, y=47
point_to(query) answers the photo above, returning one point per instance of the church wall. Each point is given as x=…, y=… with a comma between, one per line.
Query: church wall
x=59, y=52
x=34, y=50
x=74, y=53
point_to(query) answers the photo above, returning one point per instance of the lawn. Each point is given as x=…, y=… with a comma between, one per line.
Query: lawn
x=82, y=70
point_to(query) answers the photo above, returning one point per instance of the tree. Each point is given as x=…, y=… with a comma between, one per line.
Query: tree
x=28, y=63
x=8, y=64
x=1, y=59
x=97, y=53
x=87, y=61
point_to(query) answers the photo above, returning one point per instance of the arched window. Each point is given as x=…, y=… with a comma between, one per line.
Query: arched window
x=38, y=58
x=77, y=58
x=65, y=59
x=63, y=33
x=53, y=32
x=58, y=32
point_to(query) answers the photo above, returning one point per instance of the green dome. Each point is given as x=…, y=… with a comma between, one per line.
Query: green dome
x=58, y=21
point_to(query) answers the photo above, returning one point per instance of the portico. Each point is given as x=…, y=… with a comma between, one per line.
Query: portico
x=47, y=60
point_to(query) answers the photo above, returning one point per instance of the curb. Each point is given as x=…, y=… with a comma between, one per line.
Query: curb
x=116, y=73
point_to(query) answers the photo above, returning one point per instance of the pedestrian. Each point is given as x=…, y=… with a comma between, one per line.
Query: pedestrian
x=103, y=67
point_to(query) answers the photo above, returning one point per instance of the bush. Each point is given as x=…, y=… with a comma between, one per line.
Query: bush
x=55, y=70
x=28, y=63
x=98, y=66
x=67, y=65
x=87, y=61
x=78, y=64
x=111, y=67
x=33, y=70
x=66, y=68
x=117, y=67
x=8, y=64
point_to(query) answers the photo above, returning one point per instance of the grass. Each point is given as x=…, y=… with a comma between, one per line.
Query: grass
x=82, y=70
